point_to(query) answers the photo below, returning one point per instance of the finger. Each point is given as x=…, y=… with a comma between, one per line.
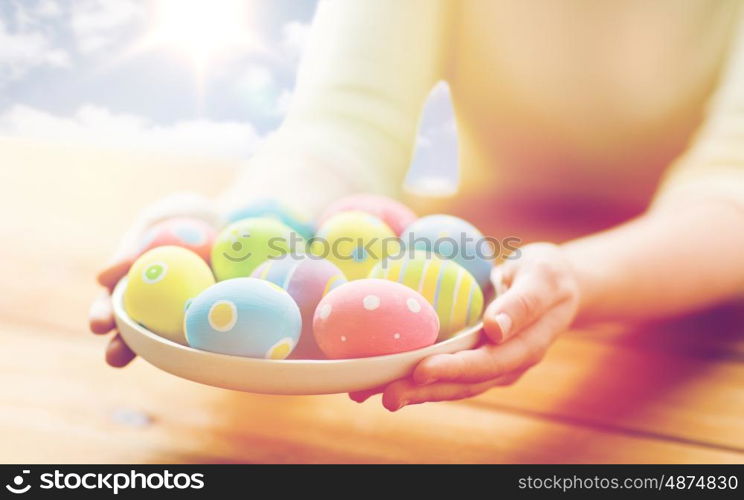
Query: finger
x=405, y=392
x=118, y=353
x=362, y=396
x=498, y=280
x=114, y=272
x=511, y=378
x=101, y=315
x=525, y=301
x=490, y=361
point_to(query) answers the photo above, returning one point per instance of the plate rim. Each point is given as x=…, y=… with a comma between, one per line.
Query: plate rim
x=169, y=356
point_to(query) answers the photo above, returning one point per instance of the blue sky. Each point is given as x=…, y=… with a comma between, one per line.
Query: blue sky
x=69, y=72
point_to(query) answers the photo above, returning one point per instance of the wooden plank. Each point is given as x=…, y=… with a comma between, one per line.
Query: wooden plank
x=669, y=395
x=676, y=395
x=714, y=333
x=92, y=413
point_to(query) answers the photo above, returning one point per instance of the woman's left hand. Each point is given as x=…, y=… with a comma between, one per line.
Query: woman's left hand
x=539, y=299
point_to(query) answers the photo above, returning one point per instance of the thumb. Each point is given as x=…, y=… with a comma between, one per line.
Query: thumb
x=115, y=271
x=524, y=302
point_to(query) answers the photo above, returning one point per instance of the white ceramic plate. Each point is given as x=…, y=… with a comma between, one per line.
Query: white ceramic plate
x=273, y=376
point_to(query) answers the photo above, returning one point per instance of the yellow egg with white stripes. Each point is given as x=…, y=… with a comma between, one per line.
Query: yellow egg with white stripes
x=453, y=291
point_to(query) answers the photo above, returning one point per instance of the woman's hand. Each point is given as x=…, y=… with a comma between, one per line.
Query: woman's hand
x=538, y=299
x=101, y=315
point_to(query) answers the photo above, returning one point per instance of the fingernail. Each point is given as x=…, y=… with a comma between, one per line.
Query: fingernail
x=97, y=309
x=504, y=322
x=401, y=404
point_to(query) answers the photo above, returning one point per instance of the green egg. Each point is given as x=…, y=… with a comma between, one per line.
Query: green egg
x=244, y=245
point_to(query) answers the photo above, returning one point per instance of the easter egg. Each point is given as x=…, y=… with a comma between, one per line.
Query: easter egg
x=355, y=242
x=447, y=286
x=243, y=245
x=244, y=317
x=187, y=232
x=372, y=317
x=307, y=280
x=455, y=239
x=271, y=208
x=160, y=284
x=393, y=213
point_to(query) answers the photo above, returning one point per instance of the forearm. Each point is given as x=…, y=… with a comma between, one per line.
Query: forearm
x=678, y=257
x=298, y=176
x=364, y=77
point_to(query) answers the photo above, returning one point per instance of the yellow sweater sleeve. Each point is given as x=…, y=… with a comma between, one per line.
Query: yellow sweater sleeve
x=714, y=163
x=361, y=85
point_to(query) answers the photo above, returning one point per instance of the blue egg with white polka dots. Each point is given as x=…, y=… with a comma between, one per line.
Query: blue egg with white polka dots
x=455, y=239
x=272, y=208
x=244, y=317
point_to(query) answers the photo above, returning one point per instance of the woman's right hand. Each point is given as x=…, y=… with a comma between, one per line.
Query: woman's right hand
x=101, y=315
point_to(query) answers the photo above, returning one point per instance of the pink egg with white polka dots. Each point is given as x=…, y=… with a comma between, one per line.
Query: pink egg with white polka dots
x=373, y=317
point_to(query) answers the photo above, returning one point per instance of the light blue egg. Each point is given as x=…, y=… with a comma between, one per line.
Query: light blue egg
x=244, y=317
x=452, y=238
x=272, y=208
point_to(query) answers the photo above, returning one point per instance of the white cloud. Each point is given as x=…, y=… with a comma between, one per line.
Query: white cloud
x=256, y=77
x=24, y=49
x=439, y=94
x=434, y=169
x=98, y=23
x=48, y=9
x=97, y=126
x=438, y=118
x=295, y=37
x=423, y=141
x=283, y=102
x=261, y=91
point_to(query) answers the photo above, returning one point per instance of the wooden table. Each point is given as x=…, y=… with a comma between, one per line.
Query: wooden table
x=673, y=392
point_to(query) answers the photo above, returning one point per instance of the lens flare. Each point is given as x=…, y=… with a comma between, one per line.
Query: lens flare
x=200, y=29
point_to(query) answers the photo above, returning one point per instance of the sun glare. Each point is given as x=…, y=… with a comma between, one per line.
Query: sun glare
x=200, y=29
